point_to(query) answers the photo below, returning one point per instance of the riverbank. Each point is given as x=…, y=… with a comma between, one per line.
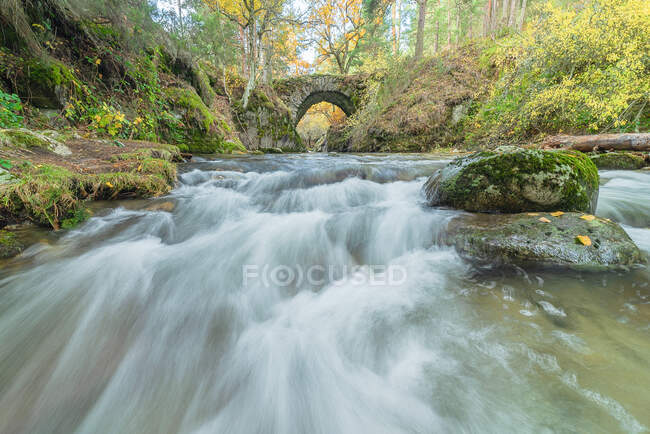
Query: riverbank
x=48, y=177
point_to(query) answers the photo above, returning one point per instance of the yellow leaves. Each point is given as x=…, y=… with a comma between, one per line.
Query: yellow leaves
x=584, y=240
x=139, y=169
x=137, y=121
x=109, y=185
x=544, y=220
x=98, y=61
x=532, y=213
x=557, y=213
x=588, y=217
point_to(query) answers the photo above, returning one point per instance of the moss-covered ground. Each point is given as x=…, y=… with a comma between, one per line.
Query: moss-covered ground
x=52, y=190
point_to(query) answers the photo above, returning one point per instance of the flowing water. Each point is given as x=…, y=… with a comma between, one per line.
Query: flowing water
x=161, y=317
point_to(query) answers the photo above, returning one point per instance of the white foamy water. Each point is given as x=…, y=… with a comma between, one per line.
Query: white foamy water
x=140, y=321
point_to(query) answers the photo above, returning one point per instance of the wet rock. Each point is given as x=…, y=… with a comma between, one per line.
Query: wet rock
x=512, y=180
x=6, y=177
x=526, y=241
x=166, y=206
x=618, y=161
x=24, y=138
x=10, y=246
x=272, y=150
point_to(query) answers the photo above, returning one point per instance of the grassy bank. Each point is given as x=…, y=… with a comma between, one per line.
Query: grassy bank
x=578, y=71
x=49, y=183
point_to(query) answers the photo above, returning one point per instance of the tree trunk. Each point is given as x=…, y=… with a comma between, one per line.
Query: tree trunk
x=437, y=40
x=457, y=26
x=494, y=15
x=399, y=23
x=504, y=13
x=448, y=24
x=603, y=142
x=252, y=62
x=419, y=42
x=393, y=14
x=513, y=13
x=268, y=67
x=522, y=15
x=242, y=38
x=181, y=31
x=486, y=18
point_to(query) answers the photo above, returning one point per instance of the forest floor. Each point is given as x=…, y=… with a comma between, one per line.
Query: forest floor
x=88, y=155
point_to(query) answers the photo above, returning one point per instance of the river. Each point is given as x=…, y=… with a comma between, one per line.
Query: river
x=239, y=304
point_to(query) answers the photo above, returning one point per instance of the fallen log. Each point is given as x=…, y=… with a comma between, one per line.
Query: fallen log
x=601, y=142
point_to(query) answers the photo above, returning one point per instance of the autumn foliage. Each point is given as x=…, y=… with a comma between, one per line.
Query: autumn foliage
x=578, y=70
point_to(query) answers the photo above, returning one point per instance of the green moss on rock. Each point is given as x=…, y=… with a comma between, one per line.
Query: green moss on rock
x=513, y=180
x=47, y=83
x=618, y=161
x=10, y=246
x=196, y=113
x=523, y=240
x=25, y=139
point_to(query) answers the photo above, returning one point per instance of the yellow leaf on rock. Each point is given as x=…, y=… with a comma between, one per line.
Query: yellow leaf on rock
x=557, y=213
x=544, y=220
x=588, y=217
x=533, y=213
x=139, y=167
x=584, y=240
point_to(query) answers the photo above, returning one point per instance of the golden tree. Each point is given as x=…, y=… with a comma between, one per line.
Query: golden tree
x=337, y=27
x=256, y=20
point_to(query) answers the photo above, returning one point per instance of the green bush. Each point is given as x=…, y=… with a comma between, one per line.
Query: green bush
x=10, y=109
x=578, y=70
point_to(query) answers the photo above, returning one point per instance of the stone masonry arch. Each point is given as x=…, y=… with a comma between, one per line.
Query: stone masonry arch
x=300, y=93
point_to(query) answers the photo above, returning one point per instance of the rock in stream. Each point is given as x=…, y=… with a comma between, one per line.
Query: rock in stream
x=526, y=241
x=512, y=180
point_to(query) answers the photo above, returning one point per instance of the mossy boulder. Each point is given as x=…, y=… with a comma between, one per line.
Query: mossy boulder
x=618, y=161
x=10, y=246
x=47, y=83
x=512, y=180
x=24, y=138
x=525, y=241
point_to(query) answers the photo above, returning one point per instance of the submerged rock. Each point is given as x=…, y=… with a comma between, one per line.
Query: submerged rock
x=618, y=161
x=9, y=245
x=513, y=180
x=570, y=240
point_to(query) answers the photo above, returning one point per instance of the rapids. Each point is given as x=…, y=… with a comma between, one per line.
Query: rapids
x=165, y=316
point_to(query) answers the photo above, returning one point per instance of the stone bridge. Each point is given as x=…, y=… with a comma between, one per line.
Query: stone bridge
x=300, y=93
x=272, y=115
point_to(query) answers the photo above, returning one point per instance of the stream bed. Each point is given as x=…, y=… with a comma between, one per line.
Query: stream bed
x=258, y=298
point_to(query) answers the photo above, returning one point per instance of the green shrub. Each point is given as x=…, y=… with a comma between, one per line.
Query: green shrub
x=10, y=109
x=578, y=70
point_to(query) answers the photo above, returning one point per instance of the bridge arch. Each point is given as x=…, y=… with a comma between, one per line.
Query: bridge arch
x=300, y=93
x=339, y=99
